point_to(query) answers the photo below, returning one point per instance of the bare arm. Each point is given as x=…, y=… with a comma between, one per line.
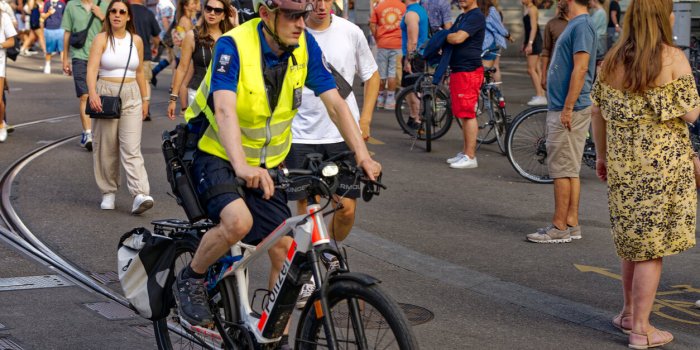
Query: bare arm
x=10, y=42
x=601, y=145
x=613, y=16
x=457, y=37
x=412, y=21
x=342, y=118
x=140, y=79
x=93, y=66
x=370, y=97
x=533, y=24
x=681, y=67
x=578, y=76
x=181, y=71
x=66, y=56
x=373, y=29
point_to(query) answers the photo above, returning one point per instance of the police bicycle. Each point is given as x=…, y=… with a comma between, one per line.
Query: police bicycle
x=348, y=310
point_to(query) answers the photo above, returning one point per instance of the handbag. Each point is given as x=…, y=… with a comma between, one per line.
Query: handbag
x=78, y=39
x=13, y=52
x=111, y=105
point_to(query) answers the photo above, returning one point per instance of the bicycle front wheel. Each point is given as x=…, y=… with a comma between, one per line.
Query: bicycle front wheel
x=526, y=148
x=380, y=324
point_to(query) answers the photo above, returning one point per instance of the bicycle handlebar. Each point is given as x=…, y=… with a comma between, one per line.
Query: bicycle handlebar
x=324, y=172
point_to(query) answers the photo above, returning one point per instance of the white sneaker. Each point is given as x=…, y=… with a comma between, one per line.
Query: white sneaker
x=465, y=163
x=3, y=133
x=107, y=201
x=537, y=101
x=306, y=291
x=459, y=156
x=141, y=204
x=47, y=68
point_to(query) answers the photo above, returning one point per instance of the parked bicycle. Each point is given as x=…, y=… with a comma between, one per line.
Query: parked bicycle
x=433, y=109
x=491, y=112
x=527, y=151
x=348, y=310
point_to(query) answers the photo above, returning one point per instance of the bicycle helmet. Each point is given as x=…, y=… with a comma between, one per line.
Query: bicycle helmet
x=290, y=6
x=293, y=6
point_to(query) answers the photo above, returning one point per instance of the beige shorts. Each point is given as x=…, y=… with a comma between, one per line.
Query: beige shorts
x=564, y=147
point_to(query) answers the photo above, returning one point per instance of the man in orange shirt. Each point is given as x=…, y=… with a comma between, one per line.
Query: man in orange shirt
x=384, y=23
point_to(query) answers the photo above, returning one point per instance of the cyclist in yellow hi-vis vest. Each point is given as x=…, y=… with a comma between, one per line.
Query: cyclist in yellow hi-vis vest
x=249, y=96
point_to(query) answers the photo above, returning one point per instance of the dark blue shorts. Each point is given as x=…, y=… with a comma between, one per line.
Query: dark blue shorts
x=80, y=76
x=348, y=186
x=209, y=171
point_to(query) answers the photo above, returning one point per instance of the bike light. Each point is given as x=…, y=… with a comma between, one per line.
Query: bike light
x=502, y=103
x=330, y=170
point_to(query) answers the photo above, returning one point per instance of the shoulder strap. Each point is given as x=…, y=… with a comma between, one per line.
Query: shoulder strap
x=93, y=16
x=131, y=45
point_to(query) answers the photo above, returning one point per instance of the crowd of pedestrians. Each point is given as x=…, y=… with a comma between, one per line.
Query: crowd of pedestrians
x=644, y=94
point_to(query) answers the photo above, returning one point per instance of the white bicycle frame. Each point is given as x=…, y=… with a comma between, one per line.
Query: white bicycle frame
x=307, y=235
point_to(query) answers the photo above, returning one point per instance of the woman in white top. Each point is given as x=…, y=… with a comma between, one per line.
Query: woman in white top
x=7, y=39
x=119, y=138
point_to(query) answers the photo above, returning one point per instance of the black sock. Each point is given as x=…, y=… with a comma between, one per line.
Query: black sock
x=188, y=273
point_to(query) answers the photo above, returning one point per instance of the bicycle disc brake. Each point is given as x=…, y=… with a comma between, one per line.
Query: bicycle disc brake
x=242, y=339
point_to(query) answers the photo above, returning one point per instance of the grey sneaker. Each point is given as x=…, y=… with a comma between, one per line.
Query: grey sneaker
x=192, y=303
x=306, y=291
x=575, y=232
x=550, y=234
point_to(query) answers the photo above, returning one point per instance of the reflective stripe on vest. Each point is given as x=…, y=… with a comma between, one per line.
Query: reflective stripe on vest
x=266, y=137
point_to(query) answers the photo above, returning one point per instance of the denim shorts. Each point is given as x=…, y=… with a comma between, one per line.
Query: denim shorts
x=54, y=40
x=348, y=186
x=209, y=171
x=492, y=55
x=386, y=61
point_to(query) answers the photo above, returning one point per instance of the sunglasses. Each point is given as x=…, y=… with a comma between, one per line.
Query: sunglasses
x=216, y=10
x=119, y=11
x=294, y=16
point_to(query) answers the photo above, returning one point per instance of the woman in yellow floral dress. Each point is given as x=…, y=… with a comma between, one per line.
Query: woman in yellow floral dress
x=646, y=94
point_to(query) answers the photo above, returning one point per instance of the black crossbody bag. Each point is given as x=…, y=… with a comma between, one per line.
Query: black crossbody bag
x=111, y=105
x=78, y=39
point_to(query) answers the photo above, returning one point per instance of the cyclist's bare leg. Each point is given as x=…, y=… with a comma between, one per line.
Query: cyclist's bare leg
x=236, y=222
x=343, y=219
x=278, y=254
x=470, y=130
x=572, y=215
x=562, y=198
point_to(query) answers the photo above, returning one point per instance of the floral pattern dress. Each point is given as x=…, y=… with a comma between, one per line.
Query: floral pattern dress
x=651, y=186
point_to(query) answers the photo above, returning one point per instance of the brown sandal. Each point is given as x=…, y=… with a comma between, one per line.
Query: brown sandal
x=618, y=320
x=649, y=343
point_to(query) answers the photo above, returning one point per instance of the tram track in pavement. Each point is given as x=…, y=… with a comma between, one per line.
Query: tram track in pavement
x=19, y=237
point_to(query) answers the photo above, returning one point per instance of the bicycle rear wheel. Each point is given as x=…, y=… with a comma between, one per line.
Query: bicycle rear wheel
x=442, y=113
x=182, y=338
x=483, y=118
x=382, y=324
x=501, y=127
x=526, y=147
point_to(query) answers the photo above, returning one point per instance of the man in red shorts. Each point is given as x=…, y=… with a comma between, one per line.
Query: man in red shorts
x=466, y=37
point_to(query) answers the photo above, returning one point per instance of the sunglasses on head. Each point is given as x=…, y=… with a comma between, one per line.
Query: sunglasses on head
x=216, y=10
x=119, y=11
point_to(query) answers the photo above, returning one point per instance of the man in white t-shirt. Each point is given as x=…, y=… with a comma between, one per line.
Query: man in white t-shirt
x=7, y=40
x=345, y=48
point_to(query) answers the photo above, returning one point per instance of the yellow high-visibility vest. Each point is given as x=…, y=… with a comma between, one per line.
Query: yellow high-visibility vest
x=266, y=135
